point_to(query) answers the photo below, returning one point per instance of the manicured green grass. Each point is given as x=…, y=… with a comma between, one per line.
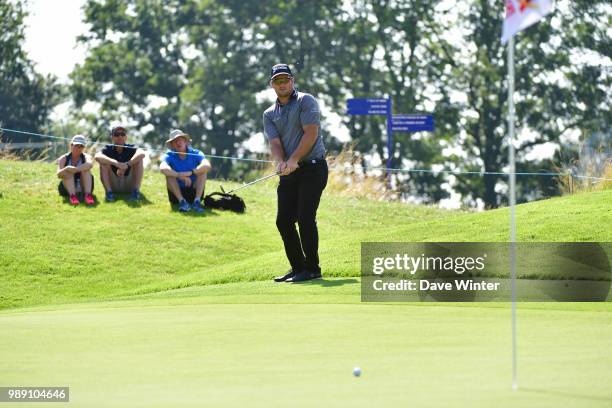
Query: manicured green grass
x=138, y=306
x=192, y=349
x=53, y=253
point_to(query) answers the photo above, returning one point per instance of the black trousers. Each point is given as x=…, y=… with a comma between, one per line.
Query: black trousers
x=299, y=194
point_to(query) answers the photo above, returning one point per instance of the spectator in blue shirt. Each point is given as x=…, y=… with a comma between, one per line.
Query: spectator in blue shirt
x=185, y=169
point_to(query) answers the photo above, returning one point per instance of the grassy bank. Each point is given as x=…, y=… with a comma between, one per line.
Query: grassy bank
x=53, y=253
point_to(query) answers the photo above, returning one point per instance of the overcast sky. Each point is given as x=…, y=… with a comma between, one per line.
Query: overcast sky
x=51, y=31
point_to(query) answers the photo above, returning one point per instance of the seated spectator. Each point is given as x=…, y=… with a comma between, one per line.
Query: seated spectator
x=185, y=169
x=74, y=169
x=121, y=166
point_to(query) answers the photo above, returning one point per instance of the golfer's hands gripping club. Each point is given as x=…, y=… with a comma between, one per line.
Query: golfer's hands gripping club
x=287, y=167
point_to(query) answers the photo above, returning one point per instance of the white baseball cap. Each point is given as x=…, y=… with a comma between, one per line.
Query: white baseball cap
x=79, y=140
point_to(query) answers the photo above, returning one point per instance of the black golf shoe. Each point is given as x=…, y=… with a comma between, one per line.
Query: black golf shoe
x=304, y=276
x=290, y=274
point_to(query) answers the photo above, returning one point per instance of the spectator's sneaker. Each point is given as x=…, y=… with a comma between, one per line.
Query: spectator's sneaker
x=184, y=206
x=135, y=196
x=74, y=200
x=110, y=197
x=89, y=200
x=197, y=207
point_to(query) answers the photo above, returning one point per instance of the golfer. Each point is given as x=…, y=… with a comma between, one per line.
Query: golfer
x=121, y=166
x=292, y=126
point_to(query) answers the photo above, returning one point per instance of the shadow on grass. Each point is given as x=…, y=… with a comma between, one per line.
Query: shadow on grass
x=118, y=198
x=82, y=201
x=207, y=212
x=328, y=283
x=133, y=203
x=565, y=394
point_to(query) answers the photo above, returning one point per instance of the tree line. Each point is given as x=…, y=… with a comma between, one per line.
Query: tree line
x=202, y=65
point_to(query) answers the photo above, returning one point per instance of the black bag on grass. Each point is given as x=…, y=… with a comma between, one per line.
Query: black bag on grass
x=224, y=201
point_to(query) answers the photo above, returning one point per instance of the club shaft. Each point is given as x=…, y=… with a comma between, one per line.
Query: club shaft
x=253, y=182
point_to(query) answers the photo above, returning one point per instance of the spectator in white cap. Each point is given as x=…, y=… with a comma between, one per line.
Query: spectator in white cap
x=185, y=169
x=74, y=169
x=121, y=166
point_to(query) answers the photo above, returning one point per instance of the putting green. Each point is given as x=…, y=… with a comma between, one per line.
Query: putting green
x=264, y=345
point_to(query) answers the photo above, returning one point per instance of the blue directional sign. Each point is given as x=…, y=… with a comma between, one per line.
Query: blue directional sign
x=412, y=123
x=367, y=106
x=395, y=123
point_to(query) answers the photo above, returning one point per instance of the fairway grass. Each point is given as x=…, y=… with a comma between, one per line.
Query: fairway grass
x=182, y=349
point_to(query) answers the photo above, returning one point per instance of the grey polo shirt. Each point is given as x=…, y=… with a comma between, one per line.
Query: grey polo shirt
x=286, y=122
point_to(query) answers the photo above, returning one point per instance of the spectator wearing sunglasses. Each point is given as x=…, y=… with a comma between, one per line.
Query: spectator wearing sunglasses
x=121, y=166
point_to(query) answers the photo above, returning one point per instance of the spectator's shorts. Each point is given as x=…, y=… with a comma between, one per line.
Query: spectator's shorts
x=121, y=184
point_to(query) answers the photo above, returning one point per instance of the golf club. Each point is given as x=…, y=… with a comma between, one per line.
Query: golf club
x=249, y=184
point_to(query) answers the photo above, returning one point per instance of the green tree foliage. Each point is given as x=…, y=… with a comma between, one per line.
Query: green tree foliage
x=554, y=95
x=202, y=65
x=133, y=71
x=165, y=64
x=224, y=74
x=26, y=97
x=406, y=41
x=367, y=48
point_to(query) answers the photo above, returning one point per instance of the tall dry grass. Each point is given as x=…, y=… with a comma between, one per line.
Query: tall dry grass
x=47, y=154
x=606, y=184
x=347, y=177
x=591, y=180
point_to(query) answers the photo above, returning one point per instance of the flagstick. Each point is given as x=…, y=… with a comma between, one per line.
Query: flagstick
x=511, y=160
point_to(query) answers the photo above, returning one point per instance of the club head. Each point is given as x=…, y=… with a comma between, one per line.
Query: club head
x=222, y=189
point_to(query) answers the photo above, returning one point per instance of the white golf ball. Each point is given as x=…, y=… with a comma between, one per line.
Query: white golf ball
x=356, y=371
